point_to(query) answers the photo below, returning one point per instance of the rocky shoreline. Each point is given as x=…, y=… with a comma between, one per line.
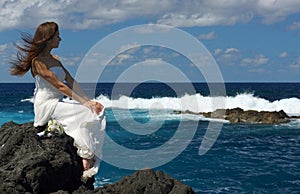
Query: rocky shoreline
x=30, y=164
x=238, y=115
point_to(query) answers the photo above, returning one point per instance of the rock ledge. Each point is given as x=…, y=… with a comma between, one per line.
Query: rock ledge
x=29, y=164
x=238, y=115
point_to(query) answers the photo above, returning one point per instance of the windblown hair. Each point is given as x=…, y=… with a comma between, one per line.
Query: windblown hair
x=32, y=47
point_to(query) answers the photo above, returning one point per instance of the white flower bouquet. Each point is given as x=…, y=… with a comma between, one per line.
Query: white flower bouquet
x=54, y=128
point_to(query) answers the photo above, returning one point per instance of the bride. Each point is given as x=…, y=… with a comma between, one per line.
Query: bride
x=85, y=120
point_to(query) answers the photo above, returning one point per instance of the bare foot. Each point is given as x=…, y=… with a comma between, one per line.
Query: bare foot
x=87, y=163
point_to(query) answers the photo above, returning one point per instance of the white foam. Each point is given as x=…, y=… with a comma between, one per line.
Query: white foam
x=28, y=100
x=199, y=103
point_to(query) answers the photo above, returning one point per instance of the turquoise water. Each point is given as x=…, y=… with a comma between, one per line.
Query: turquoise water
x=245, y=158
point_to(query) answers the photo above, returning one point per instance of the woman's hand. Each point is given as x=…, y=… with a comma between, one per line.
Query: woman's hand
x=94, y=106
x=98, y=107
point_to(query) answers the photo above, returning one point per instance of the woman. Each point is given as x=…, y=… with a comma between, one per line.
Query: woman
x=84, y=121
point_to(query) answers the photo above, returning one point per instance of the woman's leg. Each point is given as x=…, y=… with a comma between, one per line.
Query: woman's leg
x=80, y=123
x=87, y=163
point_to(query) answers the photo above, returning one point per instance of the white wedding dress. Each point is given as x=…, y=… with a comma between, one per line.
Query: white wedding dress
x=85, y=127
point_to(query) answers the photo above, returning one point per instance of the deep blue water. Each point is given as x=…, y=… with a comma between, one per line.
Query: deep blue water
x=246, y=158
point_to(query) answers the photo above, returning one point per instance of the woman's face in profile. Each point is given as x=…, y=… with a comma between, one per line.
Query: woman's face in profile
x=54, y=41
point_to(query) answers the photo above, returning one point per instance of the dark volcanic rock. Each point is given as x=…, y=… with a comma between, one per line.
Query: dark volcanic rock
x=149, y=182
x=238, y=115
x=30, y=164
x=143, y=181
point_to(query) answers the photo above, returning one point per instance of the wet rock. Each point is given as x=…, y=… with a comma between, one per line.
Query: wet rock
x=238, y=115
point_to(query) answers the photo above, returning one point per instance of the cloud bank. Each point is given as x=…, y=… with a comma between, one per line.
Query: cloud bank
x=78, y=15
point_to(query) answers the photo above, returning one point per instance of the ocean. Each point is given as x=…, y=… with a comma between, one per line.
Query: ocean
x=245, y=158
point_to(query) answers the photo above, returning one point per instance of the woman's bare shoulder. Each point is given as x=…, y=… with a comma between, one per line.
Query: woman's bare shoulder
x=55, y=57
x=58, y=62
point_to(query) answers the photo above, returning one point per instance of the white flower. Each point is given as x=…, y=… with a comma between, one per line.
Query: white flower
x=54, y=127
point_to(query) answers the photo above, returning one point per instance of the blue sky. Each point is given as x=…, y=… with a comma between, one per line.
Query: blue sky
x=251, y=41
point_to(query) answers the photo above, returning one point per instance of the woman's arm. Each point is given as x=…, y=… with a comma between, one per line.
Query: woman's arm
x=71, y=81
x=77, y=88
x=50, y=77
x=74, y=85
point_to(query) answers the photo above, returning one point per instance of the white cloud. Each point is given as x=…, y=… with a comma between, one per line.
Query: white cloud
x=283, y=54
x=148, y=49
x=255, y=61
x=7, y=53
x=235, y=56
x=152, y=28
x=276, y=10
x=296, y=64
x=202, y=19
x=3, y=47
x=208, y=36
x=154, y=61
x=258, y=70
x=95, y=59
x=230, y=50
x=123, y=57
x=130, y=48
x=77, y=14
x=228, y=56
x=217, y=51
x=230, y=12
x=294, y=26
x=70, y=60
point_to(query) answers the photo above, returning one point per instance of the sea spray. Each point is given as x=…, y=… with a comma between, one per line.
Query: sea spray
x=246, y=101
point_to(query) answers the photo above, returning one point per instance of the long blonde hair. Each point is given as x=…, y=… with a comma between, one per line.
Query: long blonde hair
x=32, y=47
